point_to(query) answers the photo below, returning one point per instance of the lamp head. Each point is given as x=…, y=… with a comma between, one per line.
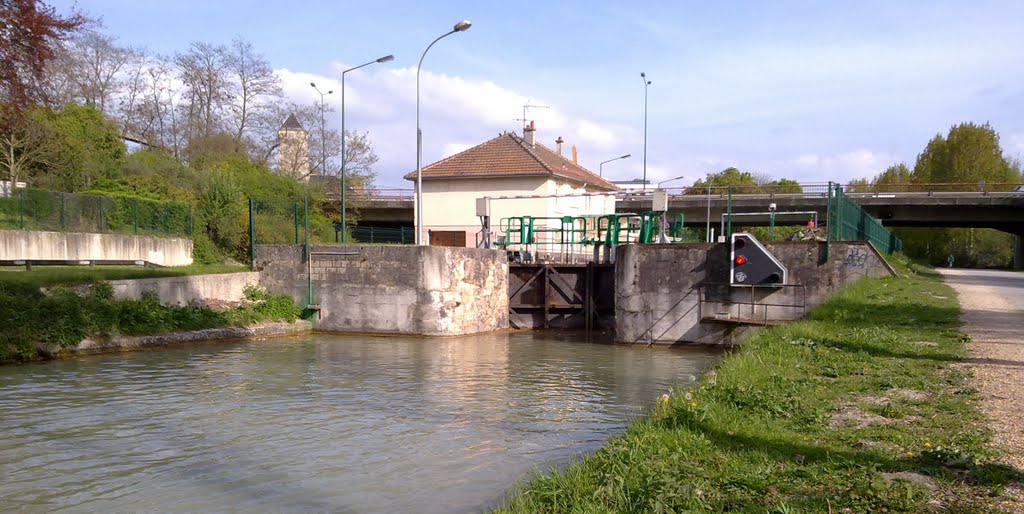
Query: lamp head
x=462, y=26
x=386, y=58
x=331, y=92
x=625, y=156
x=643, y=75
x=312, y=84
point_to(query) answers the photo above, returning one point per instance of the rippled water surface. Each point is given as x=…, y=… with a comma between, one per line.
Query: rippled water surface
x=325, y=423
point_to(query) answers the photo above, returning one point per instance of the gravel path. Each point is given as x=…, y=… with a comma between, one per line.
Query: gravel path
x=993, y=315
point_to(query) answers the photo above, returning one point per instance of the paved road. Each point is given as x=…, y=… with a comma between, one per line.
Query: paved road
x=993, y=315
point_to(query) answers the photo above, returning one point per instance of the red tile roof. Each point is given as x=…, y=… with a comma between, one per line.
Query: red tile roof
x=508, y=155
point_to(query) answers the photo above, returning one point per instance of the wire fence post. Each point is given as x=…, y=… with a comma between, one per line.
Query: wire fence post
x=99, y=220
x=305, y=214
x=828, y=222
x=252, y=235
x=295, y=216
x=62, y=224
x=21, y=208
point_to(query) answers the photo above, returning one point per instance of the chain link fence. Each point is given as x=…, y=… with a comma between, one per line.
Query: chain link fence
x=39, y=209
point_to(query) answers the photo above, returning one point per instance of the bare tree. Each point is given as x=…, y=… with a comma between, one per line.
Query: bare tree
x=255, y=85
x=24, y=146
x=97, y=62
x=202, y=70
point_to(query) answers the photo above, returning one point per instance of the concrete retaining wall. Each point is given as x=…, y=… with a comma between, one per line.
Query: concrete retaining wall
x=657, y=288
x=421, y=290
x=203, y=289
x=76, y=246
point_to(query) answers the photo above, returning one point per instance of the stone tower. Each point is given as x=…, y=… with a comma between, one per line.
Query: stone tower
x=293, y=149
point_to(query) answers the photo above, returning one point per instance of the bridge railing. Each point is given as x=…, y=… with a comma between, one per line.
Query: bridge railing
x=848, y=221
x=374, y=194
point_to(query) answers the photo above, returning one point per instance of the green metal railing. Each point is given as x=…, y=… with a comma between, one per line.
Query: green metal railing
x=39, y=209
x=383, y=235
x=848, y=221
x=607, y=229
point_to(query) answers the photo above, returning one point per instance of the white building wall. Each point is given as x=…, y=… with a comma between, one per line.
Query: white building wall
x=450, y=205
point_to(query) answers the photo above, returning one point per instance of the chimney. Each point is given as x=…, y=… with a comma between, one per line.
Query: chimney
x=559, y=142
x=574, y=156
x=528, y=134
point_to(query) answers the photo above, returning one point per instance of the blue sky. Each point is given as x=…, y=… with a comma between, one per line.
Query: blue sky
x=812, y=91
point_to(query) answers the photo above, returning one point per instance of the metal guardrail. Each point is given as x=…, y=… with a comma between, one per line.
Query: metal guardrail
x=802, y=190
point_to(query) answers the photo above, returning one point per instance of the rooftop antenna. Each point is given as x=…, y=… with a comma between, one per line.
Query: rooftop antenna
x=526, y=106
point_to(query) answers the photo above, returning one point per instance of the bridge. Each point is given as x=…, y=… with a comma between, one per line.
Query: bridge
x=897, y=205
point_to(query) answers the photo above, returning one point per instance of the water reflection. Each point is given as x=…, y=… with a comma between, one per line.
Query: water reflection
x=333, y=423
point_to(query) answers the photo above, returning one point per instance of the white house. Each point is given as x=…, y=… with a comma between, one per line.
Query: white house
x=505, y=167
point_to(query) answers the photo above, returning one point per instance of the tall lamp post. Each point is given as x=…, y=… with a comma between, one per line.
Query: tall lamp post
x=459, y=27
x=643, y=76
x=323, y=141
x=344, y=156
x=670, y=180
x=600, y=167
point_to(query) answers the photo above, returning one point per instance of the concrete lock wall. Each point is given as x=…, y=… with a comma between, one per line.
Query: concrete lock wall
x=201, y=289
x=670, y=293
x=421, y=290
x=76, y=246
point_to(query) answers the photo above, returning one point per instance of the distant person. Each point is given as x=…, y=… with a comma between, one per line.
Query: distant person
x=949, y=261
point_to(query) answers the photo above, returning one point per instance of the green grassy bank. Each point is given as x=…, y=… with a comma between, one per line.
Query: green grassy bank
x=45, y=276
x=34, y=322
x=861, y=408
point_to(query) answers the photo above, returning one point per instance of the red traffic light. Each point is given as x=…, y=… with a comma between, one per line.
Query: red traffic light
x=740, y=260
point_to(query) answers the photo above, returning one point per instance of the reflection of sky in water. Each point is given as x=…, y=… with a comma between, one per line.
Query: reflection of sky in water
x=349, y=424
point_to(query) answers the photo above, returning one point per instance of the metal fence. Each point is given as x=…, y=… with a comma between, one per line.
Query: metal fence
x=39, y=209
x=384, y=235
x=279, y=222
x=848, y=221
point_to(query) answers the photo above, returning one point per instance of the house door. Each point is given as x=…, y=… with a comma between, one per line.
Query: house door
x=448, y=238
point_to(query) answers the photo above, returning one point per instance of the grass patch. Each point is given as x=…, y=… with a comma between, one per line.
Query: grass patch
x=46, y=276
x=830, y=414
x=38, y=325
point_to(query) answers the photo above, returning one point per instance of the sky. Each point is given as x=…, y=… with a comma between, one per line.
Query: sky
x=811, y=91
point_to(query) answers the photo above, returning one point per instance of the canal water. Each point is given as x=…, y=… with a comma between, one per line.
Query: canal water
x=319, y=423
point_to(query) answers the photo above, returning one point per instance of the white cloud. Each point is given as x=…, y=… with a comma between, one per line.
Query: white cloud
x=456, y=113
x=860, y=163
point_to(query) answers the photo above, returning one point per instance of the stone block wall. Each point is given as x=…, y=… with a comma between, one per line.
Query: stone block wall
x=425, y=290
x=201, y=289
x=657, y=288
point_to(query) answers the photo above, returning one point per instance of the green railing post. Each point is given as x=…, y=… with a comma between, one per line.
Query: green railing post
x=828, y=222
x=295, y=216
x=728, y=231
x=21, y=208
x=771, y=227
x=252, y=235
x=305, y=214
x=371, y=233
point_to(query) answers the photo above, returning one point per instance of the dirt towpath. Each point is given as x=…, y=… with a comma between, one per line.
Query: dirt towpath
x=993, y=315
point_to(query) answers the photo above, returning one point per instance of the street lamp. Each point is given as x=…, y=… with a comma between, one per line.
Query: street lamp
x=323, y=141
x=670, y=180
x=459, y=27
x=344, y=156
x=643, y=76
x=600, y=167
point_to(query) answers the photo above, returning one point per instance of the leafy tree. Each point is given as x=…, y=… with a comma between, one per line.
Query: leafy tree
x=968, y=154
x=894, y=178
x=89, y=147
x=742, y=181
x=785, y=185
x=30, y=34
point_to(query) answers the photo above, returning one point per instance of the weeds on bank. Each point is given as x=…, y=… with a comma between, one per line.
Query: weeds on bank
x=857, y=409
x=34, y=322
